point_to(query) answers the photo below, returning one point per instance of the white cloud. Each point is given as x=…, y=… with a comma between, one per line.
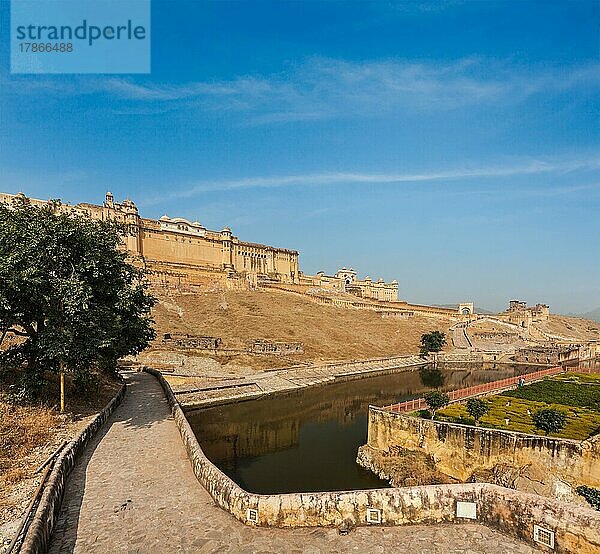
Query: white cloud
x=323, y=88
x=530, y=167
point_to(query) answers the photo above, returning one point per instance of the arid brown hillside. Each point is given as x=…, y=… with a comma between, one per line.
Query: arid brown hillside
x=328, y=333
x=571, y=328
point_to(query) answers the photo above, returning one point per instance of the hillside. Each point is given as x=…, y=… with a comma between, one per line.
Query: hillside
x=570, y=328
x=594, y=314
x=327, y=333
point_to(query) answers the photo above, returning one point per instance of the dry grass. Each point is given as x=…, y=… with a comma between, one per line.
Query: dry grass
x=571, y=327
x=29, y=433
x=22, y=429
x=487, y=326
x=328, y=333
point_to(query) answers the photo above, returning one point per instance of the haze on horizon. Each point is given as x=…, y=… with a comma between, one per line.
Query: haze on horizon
x=453, y=146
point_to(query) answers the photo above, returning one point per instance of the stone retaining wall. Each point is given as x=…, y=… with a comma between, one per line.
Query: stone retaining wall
x=37, y=538
x=458, y=357
x=515, y=513
x=262, y=346
x=544, y=465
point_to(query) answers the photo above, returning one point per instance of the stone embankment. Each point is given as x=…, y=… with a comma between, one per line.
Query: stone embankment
x=202, y=394
x=543, y=465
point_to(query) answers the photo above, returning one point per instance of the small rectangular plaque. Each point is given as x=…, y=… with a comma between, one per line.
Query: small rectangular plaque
x=467, y=510
x=543, y=536
x=252, y=515
x=373, y=515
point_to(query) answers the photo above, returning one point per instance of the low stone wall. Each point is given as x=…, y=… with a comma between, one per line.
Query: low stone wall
x=544, y=465
x=37, y=538
x=497, y=336
x=191, y=341
x=262, y=346
x=576, y=529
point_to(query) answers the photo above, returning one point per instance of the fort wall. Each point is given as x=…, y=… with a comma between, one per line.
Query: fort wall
x=176, y=251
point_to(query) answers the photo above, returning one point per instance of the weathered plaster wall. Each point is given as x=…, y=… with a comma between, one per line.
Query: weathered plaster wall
x=544, y=465
x=515, y=513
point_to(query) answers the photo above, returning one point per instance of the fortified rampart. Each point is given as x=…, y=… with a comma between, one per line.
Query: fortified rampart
x=525, y=516
x=181, y=253
x=346, y=280
x=544, y=465
x=548, y=354
x=177, y=251
x=385, y=308
x=518, y=313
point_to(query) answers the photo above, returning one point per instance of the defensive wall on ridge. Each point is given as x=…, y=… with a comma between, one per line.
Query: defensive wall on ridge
x=382, y=306
x=178, y=252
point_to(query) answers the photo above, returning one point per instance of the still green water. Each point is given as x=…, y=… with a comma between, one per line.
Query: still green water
x=307, y=440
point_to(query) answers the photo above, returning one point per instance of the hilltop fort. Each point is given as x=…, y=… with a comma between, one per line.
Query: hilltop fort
x=180, y=252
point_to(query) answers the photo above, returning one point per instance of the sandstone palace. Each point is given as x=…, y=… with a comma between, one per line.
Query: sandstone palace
x=177, y=251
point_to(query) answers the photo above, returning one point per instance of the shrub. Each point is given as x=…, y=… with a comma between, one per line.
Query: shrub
x=432, y=342
x=591, y=495
x=477, y=408
x=549, y=420
x=435, y=400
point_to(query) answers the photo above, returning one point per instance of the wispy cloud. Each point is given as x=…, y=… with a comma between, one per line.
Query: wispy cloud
x=325, y=88
x=529, y=167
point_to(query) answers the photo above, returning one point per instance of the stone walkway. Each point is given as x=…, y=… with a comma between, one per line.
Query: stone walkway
x=133, y=490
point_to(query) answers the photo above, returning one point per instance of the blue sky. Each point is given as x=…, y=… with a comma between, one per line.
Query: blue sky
x=453, y=146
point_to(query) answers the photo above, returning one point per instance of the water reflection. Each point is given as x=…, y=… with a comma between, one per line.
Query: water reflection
x=307, y=440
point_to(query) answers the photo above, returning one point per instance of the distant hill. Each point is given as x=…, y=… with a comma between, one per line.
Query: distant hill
x=594, y=314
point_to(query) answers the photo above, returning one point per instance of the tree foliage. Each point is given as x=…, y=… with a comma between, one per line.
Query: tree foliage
x=549, y=420
x=435, y=400
x=68, y=292
x=432, y=342
x=477, y=408
x=591, y=495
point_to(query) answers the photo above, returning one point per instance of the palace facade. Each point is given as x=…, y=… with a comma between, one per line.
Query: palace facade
x=346, y=280
x=177, y=251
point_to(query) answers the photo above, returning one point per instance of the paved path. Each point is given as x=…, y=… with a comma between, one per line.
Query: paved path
x=460, y=339
x=133, y=490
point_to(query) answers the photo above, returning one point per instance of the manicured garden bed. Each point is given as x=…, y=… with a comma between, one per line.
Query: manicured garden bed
x=577, y=395
x=565, y=391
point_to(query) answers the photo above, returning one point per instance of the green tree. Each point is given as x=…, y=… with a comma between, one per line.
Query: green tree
x=435, y=400
x=477, y=408
x=68, y=292
x=549, y=420
x=591, y=495
x=432, y=342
